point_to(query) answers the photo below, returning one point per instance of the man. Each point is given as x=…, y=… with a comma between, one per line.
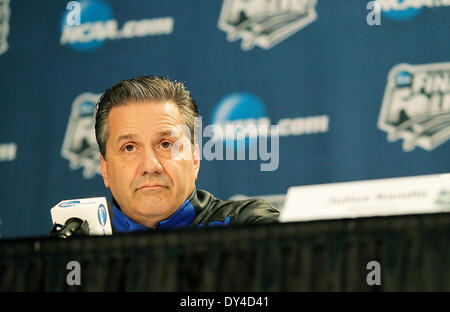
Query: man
x=151, y=164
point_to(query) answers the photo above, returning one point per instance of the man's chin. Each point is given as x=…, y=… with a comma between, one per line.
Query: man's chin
x=154, y=209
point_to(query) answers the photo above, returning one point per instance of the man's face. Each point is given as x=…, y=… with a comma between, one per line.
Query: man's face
x=147, y=181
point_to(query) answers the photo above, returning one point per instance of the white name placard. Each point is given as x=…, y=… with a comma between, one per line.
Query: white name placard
x=383, y=197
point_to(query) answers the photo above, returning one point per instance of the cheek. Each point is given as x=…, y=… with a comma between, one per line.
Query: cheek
x=187, y=171
x=180, y=172
x=121, y=174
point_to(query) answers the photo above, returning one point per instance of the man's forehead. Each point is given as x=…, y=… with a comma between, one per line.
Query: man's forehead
x=149, y=113
x=168, y=107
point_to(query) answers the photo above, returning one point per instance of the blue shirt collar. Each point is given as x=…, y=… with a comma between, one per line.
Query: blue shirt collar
x=182, y=217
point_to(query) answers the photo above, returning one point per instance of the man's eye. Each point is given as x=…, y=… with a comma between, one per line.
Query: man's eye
x=129, y=148
x=166, y=144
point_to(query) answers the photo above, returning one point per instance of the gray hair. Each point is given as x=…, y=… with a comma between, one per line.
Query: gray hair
x=142, y=89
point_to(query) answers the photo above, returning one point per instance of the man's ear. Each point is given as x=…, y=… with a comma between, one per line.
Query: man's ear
x=196, y=160
x=104, y=171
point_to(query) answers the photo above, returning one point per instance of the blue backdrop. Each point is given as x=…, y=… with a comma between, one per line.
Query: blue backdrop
x=356, y=94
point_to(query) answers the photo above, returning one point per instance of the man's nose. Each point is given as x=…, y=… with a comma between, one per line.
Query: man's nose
x=150, y=163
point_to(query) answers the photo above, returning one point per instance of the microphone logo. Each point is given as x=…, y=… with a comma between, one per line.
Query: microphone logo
x=69, y=203
x=101, y=213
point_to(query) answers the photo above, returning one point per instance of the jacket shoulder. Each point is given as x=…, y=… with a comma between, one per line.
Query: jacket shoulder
x=248, y=211
x=253, y=211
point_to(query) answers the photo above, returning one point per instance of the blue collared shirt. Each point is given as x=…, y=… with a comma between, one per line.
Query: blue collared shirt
x=180, y=218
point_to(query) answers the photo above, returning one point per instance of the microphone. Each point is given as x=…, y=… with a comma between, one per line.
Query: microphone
x=85, y=216
x=72, y=227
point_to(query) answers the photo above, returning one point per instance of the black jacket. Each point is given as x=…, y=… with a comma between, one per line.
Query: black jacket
x=204, y=209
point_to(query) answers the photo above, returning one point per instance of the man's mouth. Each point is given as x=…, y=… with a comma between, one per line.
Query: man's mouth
x=151, y=187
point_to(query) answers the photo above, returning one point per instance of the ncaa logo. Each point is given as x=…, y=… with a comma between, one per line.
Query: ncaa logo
x=402, y=10
x=93, y=14
x=80, y=146
x=235, y=112
x=4, y=25
x=243, y=118
x=416, y=105
x=265, y=23
x=87, y=24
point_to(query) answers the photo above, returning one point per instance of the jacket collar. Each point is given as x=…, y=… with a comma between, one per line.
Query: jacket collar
x=182, y=217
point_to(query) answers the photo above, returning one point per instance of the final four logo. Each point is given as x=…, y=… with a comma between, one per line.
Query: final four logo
x=265, y=23
x=4, y=25
x=416, y=105
x=80, y=146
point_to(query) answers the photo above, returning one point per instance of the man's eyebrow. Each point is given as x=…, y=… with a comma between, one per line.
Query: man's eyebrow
x=166, y=133
x=162, y=133
x=125, y=137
